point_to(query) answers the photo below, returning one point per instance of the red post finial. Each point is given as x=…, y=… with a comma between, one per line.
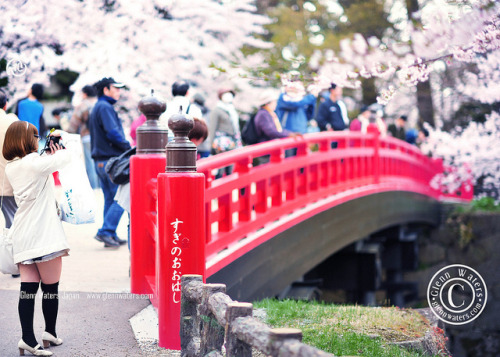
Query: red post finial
x=181, y=152
x=151, y=136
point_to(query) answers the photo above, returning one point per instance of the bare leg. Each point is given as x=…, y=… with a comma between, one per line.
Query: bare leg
x=29, y=273
x=50, y=272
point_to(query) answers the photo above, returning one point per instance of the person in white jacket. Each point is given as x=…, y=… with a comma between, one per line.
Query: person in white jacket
x=38, y=237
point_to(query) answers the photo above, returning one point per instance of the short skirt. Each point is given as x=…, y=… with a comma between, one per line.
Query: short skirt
x=47, y=257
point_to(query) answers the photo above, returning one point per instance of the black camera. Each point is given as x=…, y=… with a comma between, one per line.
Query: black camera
x=52, y=139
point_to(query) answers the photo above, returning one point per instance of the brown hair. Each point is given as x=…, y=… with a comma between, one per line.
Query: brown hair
x=20, y=140
x=199, y=131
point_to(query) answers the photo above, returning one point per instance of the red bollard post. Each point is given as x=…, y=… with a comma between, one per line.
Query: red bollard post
x=181, y=229
x=144, y=168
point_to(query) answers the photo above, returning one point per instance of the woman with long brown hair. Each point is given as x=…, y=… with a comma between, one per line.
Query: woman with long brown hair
x=37, y=234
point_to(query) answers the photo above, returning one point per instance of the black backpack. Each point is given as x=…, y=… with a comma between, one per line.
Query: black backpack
x=118, y=167
x=249, y=132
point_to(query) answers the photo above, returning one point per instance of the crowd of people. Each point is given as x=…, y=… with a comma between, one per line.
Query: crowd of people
x=292, y=112
x=28, y=198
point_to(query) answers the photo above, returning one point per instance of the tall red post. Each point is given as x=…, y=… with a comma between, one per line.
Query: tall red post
x=144, y=169
x=181, y=229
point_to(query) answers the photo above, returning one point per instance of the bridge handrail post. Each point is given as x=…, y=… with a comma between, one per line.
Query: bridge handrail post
x=181, y=228
x=144, y=167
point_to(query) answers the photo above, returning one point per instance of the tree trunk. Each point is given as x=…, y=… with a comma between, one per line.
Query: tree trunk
x=369, y=91
x=424, y=103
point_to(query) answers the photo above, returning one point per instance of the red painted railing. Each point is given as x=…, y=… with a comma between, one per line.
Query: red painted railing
x=256, y=202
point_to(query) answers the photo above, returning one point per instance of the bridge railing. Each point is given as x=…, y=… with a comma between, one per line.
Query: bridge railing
x=242, y=207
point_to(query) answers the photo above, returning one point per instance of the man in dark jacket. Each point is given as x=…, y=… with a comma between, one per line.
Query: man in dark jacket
x=107, y=140
x=397, y=129
x=332, y=113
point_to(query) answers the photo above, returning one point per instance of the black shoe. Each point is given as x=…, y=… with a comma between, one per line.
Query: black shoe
x=98, y=238
x=109, y=242
x=16, y=275
x=120, y=241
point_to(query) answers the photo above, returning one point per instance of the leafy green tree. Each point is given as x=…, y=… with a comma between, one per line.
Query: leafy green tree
x=299, y=28
x=370, y=19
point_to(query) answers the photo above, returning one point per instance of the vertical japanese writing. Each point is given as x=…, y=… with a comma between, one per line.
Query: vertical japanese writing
x=176, y=253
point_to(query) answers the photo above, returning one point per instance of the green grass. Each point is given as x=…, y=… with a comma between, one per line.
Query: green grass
x=348, y=330
x=485, y=204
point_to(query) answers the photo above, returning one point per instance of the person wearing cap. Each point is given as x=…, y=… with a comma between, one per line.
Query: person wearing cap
x=266, y=121
x=397, y=129
x=180, y=103
x=107, y=140
x=332, y=113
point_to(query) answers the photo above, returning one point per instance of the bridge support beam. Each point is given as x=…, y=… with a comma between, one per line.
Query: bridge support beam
x=400, y=255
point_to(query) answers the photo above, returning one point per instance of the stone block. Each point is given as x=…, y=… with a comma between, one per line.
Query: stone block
x=431, y=254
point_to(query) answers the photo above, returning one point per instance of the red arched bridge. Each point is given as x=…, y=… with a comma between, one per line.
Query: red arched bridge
x=265, y=226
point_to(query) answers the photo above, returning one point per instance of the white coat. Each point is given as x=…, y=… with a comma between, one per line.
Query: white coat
x=37, y=229
x=175, y=105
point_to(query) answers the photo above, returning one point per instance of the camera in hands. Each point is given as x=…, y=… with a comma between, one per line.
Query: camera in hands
x=52, y=139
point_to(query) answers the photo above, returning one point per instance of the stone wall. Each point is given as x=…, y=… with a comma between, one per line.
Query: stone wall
x=471, y=239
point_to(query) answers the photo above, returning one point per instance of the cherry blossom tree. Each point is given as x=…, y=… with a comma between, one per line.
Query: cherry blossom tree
x=464, y=37
x=145, y=44
x=471, y=35
x=150, y=44
x=471, y=153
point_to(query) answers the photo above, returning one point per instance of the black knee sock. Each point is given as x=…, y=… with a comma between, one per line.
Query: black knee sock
x=26, y=310
x=50, y=306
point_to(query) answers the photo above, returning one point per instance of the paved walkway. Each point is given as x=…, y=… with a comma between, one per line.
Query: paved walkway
x=95, y=302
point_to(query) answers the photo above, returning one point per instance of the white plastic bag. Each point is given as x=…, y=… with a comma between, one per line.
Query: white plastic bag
x=78, y=205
